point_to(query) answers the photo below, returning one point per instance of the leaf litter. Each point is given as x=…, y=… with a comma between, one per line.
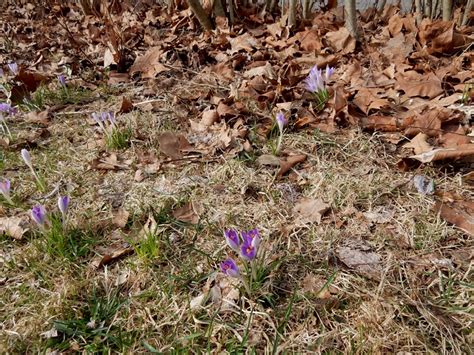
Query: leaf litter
x=204, y=107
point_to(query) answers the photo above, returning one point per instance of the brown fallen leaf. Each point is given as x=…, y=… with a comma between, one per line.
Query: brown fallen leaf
x=13, y=226
x=419, y=144
x=415, y=84
x=173, y=144
x=361, y=259
x=41, y=117
x=209, y=117
x=341, y=41
x=308, y=210
x=149, y=64
x=268, y=159
x=188, y=213
x=113, y=252
x=458, y=212
x=120, y=218
x=289, y=162
x=126, y=105
x=462, y=151
x=109, y=162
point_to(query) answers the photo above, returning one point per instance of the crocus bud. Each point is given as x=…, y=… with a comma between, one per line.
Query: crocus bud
x=5, y=188
x=38, y=214
x=230, y=268
x=62, y=80
x=25, y=154
x=63, y=204
x=232, y=239
x=281, y=121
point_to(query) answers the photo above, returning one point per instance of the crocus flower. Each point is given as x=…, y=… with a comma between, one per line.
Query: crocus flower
x=7, y=108
x=230, y=268
x=62, y=80
x=328, y=73
x=38, y=213
x=63, y=204
x=13, y=68
x=248, y=251
x=27, y=158
x=314, y=82
x=281, y=121
x=252, y=237
x=232, y=239
x=111, y=118
x=5, y=190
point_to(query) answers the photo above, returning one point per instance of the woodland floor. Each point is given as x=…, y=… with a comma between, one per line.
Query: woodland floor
x=369, y=267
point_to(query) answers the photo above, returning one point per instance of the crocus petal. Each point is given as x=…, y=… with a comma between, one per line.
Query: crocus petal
x=281, y=120
x=13, y=68
x=63, y=203
x=232, y=239
x=230, y=268
x=248, y=251
x=26, y=157
x=38, y=214
x=5, y=187
x=62, y=80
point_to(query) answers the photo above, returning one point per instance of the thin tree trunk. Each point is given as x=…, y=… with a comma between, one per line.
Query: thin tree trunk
x=201, y=15
x=467, y=12
x=292, y=13
x=434, y=8
x=231, y=12
x=419, y=11
x=218, y=9
x=447, y=7
x=428, y=8
x=306, y=6
x=381, y=6
x=350, y=17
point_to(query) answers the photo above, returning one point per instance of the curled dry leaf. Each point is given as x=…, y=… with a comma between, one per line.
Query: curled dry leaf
x=188, y=213
x=120, y=218
x=109, y=162
x=289, y=162
x=173, y=144
x=126, y=105
x=419, y=144
x=309, y=210
x=149, y=64
x=13, y=226
x=463, y=151
x=341, y=41
x=113, y=252
x=361, y=259
x=457, y=212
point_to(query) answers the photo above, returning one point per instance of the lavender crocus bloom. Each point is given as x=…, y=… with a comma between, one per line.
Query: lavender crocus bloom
x=13, y=68
x=232, y=239
x=63, y=204
x=5, y=188
x=252, y=237
x=314, y=82
x=230, y=268
x=248, y=251
x=7, y=108
x=27, y=158
x=38, y=213
x=328, y=73
x=281, y=121
x=62, y=80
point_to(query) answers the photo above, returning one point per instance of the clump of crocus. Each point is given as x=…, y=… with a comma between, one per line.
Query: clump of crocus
x=281, y=123
x=25, y=154
x=5, y=190
x=316, y=83
x=13, y=67
x=114, y=136
x=62, y=80
x=246, y=245
x=38, y=214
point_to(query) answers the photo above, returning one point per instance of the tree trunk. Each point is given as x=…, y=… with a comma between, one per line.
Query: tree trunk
x=434, y=7
x=350, y=17
x=419, y=11
x=201, y=15
x=428, y=8
x=467, y=12
x=231, y=12
x=306, y=7
x=218, y=9
x=381, y=6
x=292, y=13
x=447, y=7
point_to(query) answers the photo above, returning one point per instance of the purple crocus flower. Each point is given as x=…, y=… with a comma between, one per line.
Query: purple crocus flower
x=7, y=108
x=13, y=68
x=314, y=82
x=248, y=251
x=252, y=237
x=328, y=73
x=5, y=188
x=281, y=121
x=232, y=239
x=230, y=268
x=62, y=80
x=27, y=158
x=63, y=204
x=38, y=213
